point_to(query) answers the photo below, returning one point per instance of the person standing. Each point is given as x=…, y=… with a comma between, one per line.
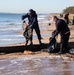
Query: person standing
x=66, y=18
x=33, y=22
x=62, y=28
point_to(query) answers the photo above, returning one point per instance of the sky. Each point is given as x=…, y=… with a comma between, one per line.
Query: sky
x=40, y=6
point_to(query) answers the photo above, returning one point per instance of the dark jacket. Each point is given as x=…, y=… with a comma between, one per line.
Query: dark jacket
x=61, y=27
x=31, y=18
x=66, y=19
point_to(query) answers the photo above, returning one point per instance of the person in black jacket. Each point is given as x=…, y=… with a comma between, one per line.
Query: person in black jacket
x=62, y=28
x=66, y=18
x=33, y=22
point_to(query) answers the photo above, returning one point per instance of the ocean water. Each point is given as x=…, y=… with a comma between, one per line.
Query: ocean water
x=11, y=25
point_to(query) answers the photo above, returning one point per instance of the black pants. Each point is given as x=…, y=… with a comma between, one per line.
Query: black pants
x=37, y=30
x=64, y=43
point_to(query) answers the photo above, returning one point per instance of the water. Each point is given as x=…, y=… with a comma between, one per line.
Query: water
x=52, y=65
x=11, y=25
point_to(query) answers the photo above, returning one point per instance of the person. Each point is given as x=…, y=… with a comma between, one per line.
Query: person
x=61, y=15
x=66, y=18
x=73, y=21
x=33, y=22
x=62, y=28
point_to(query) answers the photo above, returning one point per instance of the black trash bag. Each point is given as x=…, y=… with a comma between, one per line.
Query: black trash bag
x=71, y=51
x=52, y=46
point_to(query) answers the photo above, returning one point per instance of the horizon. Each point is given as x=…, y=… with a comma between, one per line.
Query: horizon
x=24, y=13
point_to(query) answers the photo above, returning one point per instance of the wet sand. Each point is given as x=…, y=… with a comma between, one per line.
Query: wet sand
x=40, y=63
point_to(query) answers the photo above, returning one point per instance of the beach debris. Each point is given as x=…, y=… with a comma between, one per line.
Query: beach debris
x=49, y=24
x=26, y=52
x=71, y=51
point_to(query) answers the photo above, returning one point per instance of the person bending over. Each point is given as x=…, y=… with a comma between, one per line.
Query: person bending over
x=33, y=22
x=62, y=28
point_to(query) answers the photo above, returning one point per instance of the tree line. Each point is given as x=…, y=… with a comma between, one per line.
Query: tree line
x=69, y=10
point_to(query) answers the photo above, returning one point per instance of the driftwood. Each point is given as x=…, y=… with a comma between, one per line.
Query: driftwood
x=22, y=48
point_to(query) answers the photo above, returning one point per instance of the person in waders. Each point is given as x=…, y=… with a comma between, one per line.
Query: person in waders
x=62, y=28
x=33, y=22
